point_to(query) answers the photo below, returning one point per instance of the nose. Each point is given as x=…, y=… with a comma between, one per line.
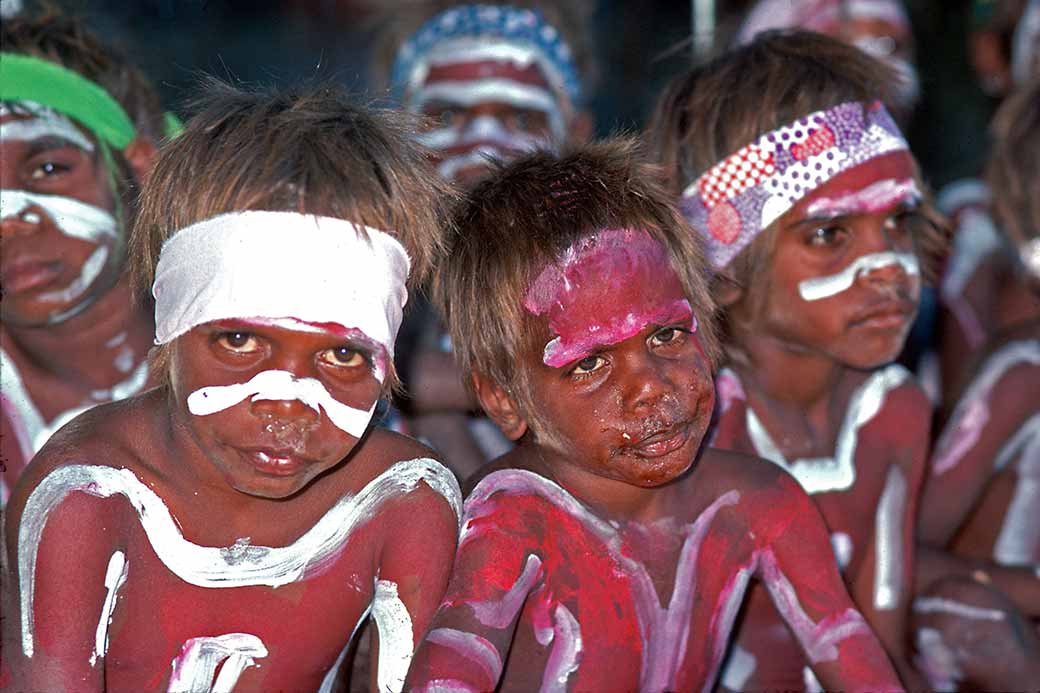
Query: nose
x=289, y=421
x=649, y=383
x=883, y=268
x=22, y=223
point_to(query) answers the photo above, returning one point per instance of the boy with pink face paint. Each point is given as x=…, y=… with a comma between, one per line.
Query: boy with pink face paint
x=609, y=550
x=78, y=129
x=814, y=227
x=246, y=496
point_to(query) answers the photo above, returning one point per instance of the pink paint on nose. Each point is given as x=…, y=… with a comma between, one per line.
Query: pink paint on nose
x=606, y=288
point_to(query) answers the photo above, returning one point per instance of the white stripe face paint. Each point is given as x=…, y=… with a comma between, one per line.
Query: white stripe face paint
x=46, y=123
x=282, y=386
x=217, y=567
x=194, y=669
x=939, y=605
x=115, y=576
x=973, y=410
x=873, y=198
x=476, y=649
x=837, y=473
x=937, y=661
x=740, y=665
x=566, y=651
x=470, y=93
x=396, y=639
x=73, y=218
x=1019, y=540
x=888, y=542
x=824, y=287
x=88, y=273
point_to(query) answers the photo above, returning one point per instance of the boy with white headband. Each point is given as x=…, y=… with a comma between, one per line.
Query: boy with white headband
x=230, y=529
x=78, y=127
x=978, y=607
x=609, y=551
x=812, y=211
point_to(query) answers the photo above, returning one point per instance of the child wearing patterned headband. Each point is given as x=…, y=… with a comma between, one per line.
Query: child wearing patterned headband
x=813, y=214
x=979, y=568
x=78, y=129
x=246, y=496
x=608, y=551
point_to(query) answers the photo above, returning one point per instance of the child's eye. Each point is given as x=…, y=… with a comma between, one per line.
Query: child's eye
x=238, y=342
x=826, y=236
x=343, y=357
x=48, y=169
x=668, y=335
x=587, y=365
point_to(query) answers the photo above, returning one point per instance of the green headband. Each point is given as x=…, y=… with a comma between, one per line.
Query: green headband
x=25, y=78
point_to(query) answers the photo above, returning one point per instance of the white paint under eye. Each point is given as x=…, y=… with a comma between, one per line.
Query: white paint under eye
x=276, y=385
x=937, y=661
x=471, y=646
x=1019, y=540
x=88, y=273
x=837, y=473
x=566, y=651
x=396, y=639
x=73, y=218
x=873, y=198
x=940, y=605
x=48, y=123
x=470, y=93
x=888, y=542
x=819, y=288
x=740, y=665
x=209, y=566
x=194, y=668
x=115, y=576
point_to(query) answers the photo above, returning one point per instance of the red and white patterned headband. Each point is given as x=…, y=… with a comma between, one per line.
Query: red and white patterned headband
x=737, y=198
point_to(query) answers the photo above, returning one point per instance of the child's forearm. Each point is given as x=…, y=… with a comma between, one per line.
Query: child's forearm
x=1020, y=584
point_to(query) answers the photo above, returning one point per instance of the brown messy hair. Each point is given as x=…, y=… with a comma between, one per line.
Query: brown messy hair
x=1014, y=165
x=716, y=108
x=522, y=218
x=311, y=150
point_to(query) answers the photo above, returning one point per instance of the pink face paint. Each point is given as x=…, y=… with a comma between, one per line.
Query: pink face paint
x=606, y=288
x=877, y=197
x=196, y=666
x=476, y=649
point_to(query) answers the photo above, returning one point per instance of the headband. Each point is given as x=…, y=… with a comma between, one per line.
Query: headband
x=487, y=32
x=26, y=78
x=817, y=15
x=747, y=191
x=260, y=264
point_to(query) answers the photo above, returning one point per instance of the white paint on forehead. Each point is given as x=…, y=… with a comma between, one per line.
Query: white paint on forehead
x=472, y=647
x=740, y=665
x=889, y=549
x=276, y=385
x=940, y=605
x=46, y=123
x=73, y=218
x=115, y=576
x=876, y=197
x=566, y=651
x=972, y=412
x=824, y=287
x=396, y=639
x=194, y=668
x=1019, y=540
x=937, y=661
x=88, y=273
x=209, y=566
x=837, y=473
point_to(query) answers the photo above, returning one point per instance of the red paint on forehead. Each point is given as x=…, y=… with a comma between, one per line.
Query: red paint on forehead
x=898, y=165
x=608, y=287
x=471, y=71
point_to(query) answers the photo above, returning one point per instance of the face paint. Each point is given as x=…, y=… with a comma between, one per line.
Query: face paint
x=42, y=123
x=876, y=197
x=837, y=473
x=73, y=218
x=476, y=649
x=888, y=542
x=1019, y=540
x=482, y=139
x=115, y=576
x=217, y=567
x=939, y=605
x=823, y=16
x=194, y=668
x=78, y=288
x=824, y=287
x=470, y=93
x=282, y=386
x=635, y=286
x=396, y=640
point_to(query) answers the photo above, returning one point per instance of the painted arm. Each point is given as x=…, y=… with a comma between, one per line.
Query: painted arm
x=64, y=572
x=1019, y=584
x=414, y=565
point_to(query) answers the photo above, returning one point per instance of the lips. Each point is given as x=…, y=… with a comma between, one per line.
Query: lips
x=27, y=273
x=274, y=462
x=886, y=315
x=663, y=441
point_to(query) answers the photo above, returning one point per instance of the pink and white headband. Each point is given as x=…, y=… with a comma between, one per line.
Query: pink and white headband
x=260, y=264
x=818, y=15
x=737, y=198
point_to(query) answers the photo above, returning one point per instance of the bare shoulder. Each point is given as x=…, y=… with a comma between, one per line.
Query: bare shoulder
x=754, y=486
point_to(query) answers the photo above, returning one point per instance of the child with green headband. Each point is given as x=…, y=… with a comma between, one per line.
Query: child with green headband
x=78, y=129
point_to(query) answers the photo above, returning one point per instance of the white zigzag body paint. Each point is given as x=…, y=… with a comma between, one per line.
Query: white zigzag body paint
x=819, y=288
x=282, y=385
x=209, y=566
x=193, y=670
x=396, y=639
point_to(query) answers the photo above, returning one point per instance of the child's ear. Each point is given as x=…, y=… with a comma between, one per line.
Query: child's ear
x=499, y=407
x=141, y=154
x=727, y=289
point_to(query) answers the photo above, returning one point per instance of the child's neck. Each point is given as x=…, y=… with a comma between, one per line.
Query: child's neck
x=787, y=375
x=90, y=349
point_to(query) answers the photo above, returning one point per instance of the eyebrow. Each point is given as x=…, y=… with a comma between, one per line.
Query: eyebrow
x=907, y=203
x=49, y=143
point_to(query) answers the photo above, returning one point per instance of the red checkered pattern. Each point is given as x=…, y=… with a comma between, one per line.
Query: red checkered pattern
x=819, y=140
x=745, y=169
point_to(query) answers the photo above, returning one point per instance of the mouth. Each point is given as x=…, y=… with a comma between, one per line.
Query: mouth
x=272, y=462
x=885, y=316
x=26, y=274
x=663, y=441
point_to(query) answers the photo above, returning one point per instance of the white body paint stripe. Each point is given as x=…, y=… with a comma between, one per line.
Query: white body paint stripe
x=566, y=651
x=396, y=639
x=194, y=668
x=940, y=605
x=46, y=123
x=73, y=218
x=217, y=567
x=819, y=288
x=499, y=613
x=476, y=649
x=115, y=576
x=1019, y=540
x=282, y=385
x=740, y=665
x=888, y=542
x=937, y=661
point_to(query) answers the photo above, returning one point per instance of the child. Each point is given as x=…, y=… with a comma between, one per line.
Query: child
x=810, y=205
x=241, y=516
x=608, y=551
x=980, y=513
x=78, y=127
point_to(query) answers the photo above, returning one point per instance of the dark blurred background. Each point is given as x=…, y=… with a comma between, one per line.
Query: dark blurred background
x=638, y=46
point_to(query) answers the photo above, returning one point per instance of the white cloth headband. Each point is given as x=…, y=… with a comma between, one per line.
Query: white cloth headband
x=260, y=264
